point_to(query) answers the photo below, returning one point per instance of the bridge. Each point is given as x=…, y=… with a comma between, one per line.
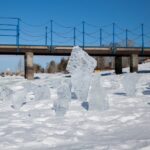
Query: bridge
x=118, y=53
x=115, y=41
x=66, y=50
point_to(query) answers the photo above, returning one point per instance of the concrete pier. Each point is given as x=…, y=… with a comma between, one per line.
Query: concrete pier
x=134, y=62
x=118, y=64
x=29, y=70
x=99, y=65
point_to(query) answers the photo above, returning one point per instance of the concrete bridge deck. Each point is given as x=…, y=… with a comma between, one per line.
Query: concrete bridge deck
x=66, y=50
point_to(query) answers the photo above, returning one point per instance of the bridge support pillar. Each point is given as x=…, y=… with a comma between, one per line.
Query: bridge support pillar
x=29, y=70
x=98, y=59
x=118, y=64
x=134, y=62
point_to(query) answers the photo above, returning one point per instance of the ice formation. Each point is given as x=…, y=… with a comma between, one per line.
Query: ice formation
x=81, y=66
x=39, y=91
x=62, y=96
x=22, y=93
x=97, y=95
x=5, y=93
x=80, y=61
x=129, y=83
x=80, y=84
x=18, y=97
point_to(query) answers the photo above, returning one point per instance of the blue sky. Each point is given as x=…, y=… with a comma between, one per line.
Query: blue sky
x=125, y=13
x=74, y=11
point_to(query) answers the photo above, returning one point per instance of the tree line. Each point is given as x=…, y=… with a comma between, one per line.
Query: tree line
x=52, y=67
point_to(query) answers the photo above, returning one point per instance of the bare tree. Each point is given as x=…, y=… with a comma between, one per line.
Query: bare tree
x=37, y=68
x=130, y=43
x=62, y=65
x=52, y=67
x=20, y=65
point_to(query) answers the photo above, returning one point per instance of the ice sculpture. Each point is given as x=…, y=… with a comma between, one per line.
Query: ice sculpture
x=97, y=95
x=18, y=97
x=80, y=84
x=40, y=91
x=129, y=83
x=62, y=98
x=5, y=93
x=81, y=66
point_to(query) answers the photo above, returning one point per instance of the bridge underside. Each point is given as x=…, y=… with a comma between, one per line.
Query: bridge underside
x=118, y=53
x=66, y=50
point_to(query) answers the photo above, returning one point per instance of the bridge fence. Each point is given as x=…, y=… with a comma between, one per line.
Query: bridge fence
x=84, y=34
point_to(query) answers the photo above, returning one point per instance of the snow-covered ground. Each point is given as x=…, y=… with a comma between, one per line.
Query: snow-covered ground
x=33, y=125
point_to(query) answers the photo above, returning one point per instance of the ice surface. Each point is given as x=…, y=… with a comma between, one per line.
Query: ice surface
x=124, y=127
x=129, y=83
x=81, y=66
x=62, y=98
x=97, y=95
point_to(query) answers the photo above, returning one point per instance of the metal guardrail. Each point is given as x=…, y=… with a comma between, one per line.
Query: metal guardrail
x=76, y=35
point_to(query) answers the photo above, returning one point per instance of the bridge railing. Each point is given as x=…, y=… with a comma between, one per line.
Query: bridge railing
x=84, y=34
